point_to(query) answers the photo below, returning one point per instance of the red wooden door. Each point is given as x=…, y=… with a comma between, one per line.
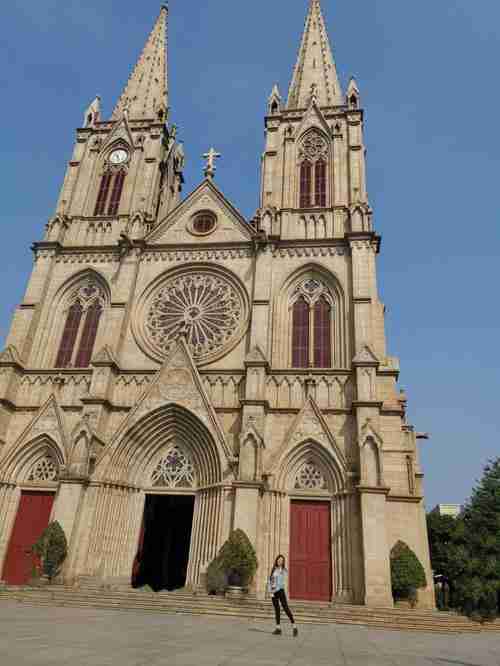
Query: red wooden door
x=310, y=551
x=32, y=518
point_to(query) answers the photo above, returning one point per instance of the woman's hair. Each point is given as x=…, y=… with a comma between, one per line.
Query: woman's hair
x=275, y=566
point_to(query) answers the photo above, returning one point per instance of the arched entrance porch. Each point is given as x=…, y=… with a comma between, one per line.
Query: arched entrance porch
x=165, y=469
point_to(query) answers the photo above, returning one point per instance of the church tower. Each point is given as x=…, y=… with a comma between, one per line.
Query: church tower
x=127, y=170
x=175, y=372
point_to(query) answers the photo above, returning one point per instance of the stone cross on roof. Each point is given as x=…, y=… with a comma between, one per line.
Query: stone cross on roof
x=211, y=156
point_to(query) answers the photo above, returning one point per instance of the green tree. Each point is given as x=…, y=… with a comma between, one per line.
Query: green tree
x=449, y=554
x=478, y=586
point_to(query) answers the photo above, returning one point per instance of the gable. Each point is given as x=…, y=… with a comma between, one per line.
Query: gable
x=177, y=227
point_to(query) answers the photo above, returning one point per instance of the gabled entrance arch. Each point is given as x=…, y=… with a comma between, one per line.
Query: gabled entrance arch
x=125, y=476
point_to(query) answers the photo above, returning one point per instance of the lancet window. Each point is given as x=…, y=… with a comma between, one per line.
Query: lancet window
x=82, y=323
x=312, y=325
x=313, y=155
x=111, y=185
x=174, y=470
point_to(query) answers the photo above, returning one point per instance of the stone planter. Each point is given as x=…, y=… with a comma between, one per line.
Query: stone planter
x=236, y=593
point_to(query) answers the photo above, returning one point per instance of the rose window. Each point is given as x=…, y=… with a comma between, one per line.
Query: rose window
x=43, y=470
x=310, y=477
x=174, y=471
x=205, y=307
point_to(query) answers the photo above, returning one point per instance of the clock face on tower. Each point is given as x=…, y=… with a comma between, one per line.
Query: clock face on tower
x=118, y=156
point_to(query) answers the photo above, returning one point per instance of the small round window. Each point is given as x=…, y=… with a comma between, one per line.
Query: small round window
x=204, y=223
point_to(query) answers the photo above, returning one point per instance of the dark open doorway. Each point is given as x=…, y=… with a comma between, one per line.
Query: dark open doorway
x=163, y=553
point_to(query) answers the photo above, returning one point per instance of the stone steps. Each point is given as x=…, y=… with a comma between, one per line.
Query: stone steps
x=251, y=609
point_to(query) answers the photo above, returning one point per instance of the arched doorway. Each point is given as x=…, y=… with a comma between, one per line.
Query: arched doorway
x=155, y=497
x=26, y=506
x=165, y=538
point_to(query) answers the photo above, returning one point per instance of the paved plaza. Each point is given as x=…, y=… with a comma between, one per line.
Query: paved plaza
x=61, y=636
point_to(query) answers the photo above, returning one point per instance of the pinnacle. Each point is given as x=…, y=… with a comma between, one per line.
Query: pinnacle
x=315, y=69
x=146, y=93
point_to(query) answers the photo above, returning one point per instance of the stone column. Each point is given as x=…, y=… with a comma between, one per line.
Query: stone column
x=67, y=507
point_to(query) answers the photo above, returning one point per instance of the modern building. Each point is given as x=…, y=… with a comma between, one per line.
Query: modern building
x=176, y=371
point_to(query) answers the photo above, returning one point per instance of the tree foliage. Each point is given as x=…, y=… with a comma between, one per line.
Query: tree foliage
x=52, y=549
x=466, y=550
x=238, y=556
x=407, y=572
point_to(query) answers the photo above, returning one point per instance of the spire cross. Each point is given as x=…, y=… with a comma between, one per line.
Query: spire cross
x=211, y=156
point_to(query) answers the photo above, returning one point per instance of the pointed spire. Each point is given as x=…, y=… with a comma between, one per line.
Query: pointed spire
x=146, y=93
x=275, y=101
x=93, y=113
x=315, y=73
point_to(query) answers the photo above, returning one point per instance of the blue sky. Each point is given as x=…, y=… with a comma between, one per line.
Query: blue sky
x=428, y=76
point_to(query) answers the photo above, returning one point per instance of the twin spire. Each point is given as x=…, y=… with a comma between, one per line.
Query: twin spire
x=315, y=71
x=146, y=93
x=315, y=74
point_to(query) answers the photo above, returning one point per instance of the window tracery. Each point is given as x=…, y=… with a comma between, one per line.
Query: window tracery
x=86, y=305
x=175, y=470
x=309, y=477
x=111, y=188
x=204, y=306
x=45, y=469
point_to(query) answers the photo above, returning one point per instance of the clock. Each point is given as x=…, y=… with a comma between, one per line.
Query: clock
x=118, y=156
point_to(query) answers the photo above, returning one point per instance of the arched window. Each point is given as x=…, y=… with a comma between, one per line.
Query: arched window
x=111, y=181
x=313, y=153
x=312, y=324
x=300, y=334
x=305, y=184
x=82, y=323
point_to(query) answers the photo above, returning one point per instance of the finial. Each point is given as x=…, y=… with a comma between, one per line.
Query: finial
x=210, y=168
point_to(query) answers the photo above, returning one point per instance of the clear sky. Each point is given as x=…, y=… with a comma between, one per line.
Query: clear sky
x=428, y=75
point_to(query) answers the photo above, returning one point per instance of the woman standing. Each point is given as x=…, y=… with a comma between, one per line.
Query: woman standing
x=277, y=588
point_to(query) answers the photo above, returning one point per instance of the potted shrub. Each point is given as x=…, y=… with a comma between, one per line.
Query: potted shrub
x=51, y=550
x=239, y=561
x=407, y=575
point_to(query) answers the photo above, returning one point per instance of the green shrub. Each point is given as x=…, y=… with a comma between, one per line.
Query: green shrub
x=216, y=577
x=407, y=573
x=52, y=549
x=238, y=558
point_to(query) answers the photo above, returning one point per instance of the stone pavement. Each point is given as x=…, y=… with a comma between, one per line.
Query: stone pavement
x=61, y=636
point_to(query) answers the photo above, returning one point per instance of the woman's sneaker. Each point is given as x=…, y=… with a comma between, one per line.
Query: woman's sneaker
x=277, y=632
x=295, y=632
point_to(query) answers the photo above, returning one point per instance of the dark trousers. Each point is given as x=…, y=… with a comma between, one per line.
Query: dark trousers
x=280, y=597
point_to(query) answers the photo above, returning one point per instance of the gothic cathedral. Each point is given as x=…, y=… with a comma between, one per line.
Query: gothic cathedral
x=176, y=371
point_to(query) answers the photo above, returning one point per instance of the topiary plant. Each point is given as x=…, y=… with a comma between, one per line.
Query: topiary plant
x=216, y=577
x=407, y=573
x=238, y=558
x=52, y=549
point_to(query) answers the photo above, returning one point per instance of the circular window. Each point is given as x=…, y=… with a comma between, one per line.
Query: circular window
x=206, y=305
x=203, y=223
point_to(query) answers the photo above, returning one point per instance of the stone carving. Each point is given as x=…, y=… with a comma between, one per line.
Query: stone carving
x=45, y=469
x=175, y=470
x=312, y=289
x=313, y=147
x=203, y=306
x=309, y=477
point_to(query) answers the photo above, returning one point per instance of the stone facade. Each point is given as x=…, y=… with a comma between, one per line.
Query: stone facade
x=194, y=346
